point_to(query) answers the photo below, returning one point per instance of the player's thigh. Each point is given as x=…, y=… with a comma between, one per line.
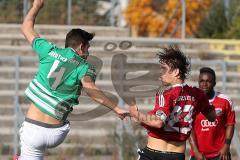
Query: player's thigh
x=57, y=135
x=32, y=143
x=35, y=138
x=30, y=157
x=31, y=136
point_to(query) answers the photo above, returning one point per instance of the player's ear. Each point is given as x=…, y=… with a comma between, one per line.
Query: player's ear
x=82, y=46
x=176, y=72
x=79, y=49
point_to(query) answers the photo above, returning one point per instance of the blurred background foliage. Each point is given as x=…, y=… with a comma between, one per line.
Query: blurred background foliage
x=154, y=18
x=163, y=18
x=54, y=12
x=221, y=21
x=204, y=18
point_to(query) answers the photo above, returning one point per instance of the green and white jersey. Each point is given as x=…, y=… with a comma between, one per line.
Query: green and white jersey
x=57, y=84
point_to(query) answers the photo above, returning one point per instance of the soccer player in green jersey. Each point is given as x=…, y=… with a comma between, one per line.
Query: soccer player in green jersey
x=62, y=73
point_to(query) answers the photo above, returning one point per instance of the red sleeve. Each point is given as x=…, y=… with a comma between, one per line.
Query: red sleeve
x=230, y=113
x=204, y=105
x=163, y=102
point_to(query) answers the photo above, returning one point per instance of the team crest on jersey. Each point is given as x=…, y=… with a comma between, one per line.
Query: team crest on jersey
x=218, y=111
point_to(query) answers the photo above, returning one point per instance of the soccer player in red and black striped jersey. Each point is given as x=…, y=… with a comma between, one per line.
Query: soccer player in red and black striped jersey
x=211, y=140
x=169, y=124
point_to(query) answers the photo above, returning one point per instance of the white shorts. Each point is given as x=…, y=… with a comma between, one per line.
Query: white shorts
x=35, y=137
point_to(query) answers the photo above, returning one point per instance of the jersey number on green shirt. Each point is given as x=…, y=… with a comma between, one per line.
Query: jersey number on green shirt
x=56, y=74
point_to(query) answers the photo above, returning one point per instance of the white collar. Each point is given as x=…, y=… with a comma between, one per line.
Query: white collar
x=179, y=85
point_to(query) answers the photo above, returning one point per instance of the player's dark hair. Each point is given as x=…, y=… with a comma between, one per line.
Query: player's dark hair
x=77, y=36
x=208, y=70
x=175, y=59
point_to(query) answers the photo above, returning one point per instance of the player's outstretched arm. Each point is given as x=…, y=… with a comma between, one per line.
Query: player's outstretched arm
x=96, y=94
x=29, y=21
x=150, y=120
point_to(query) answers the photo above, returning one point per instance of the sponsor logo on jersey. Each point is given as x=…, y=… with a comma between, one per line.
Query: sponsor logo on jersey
x=205, y=123
x=218, y=111
x=73, y=61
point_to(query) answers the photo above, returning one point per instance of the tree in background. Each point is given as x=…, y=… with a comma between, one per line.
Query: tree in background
x=83, y=12
x=234, y=31
x=216, y=24
x=11, y=10
x=146, y=20
x=234, y=20
x=223, y=21
x=54, y=12
x=143, y=19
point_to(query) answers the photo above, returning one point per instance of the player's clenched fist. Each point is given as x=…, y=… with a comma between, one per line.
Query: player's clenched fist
x=121, y=112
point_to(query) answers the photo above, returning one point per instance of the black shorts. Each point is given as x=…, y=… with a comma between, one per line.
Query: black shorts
x=151, y=154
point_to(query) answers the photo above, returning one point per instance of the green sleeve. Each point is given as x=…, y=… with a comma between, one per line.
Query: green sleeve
x=87, y=70
x=42, y=47
x=91, y=72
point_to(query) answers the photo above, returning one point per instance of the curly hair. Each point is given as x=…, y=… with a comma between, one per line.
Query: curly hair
x=175, y=59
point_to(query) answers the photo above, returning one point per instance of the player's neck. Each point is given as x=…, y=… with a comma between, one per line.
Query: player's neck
x=177, y=82
x=211, y=94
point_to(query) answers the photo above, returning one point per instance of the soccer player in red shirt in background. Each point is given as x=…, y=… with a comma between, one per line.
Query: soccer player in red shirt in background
x=211, y=140
x=169, y=124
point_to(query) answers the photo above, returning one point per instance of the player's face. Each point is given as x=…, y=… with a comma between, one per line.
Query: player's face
x=206, y=82
x=166, y=74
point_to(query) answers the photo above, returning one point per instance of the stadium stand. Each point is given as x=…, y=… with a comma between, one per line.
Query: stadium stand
x=94, y=138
